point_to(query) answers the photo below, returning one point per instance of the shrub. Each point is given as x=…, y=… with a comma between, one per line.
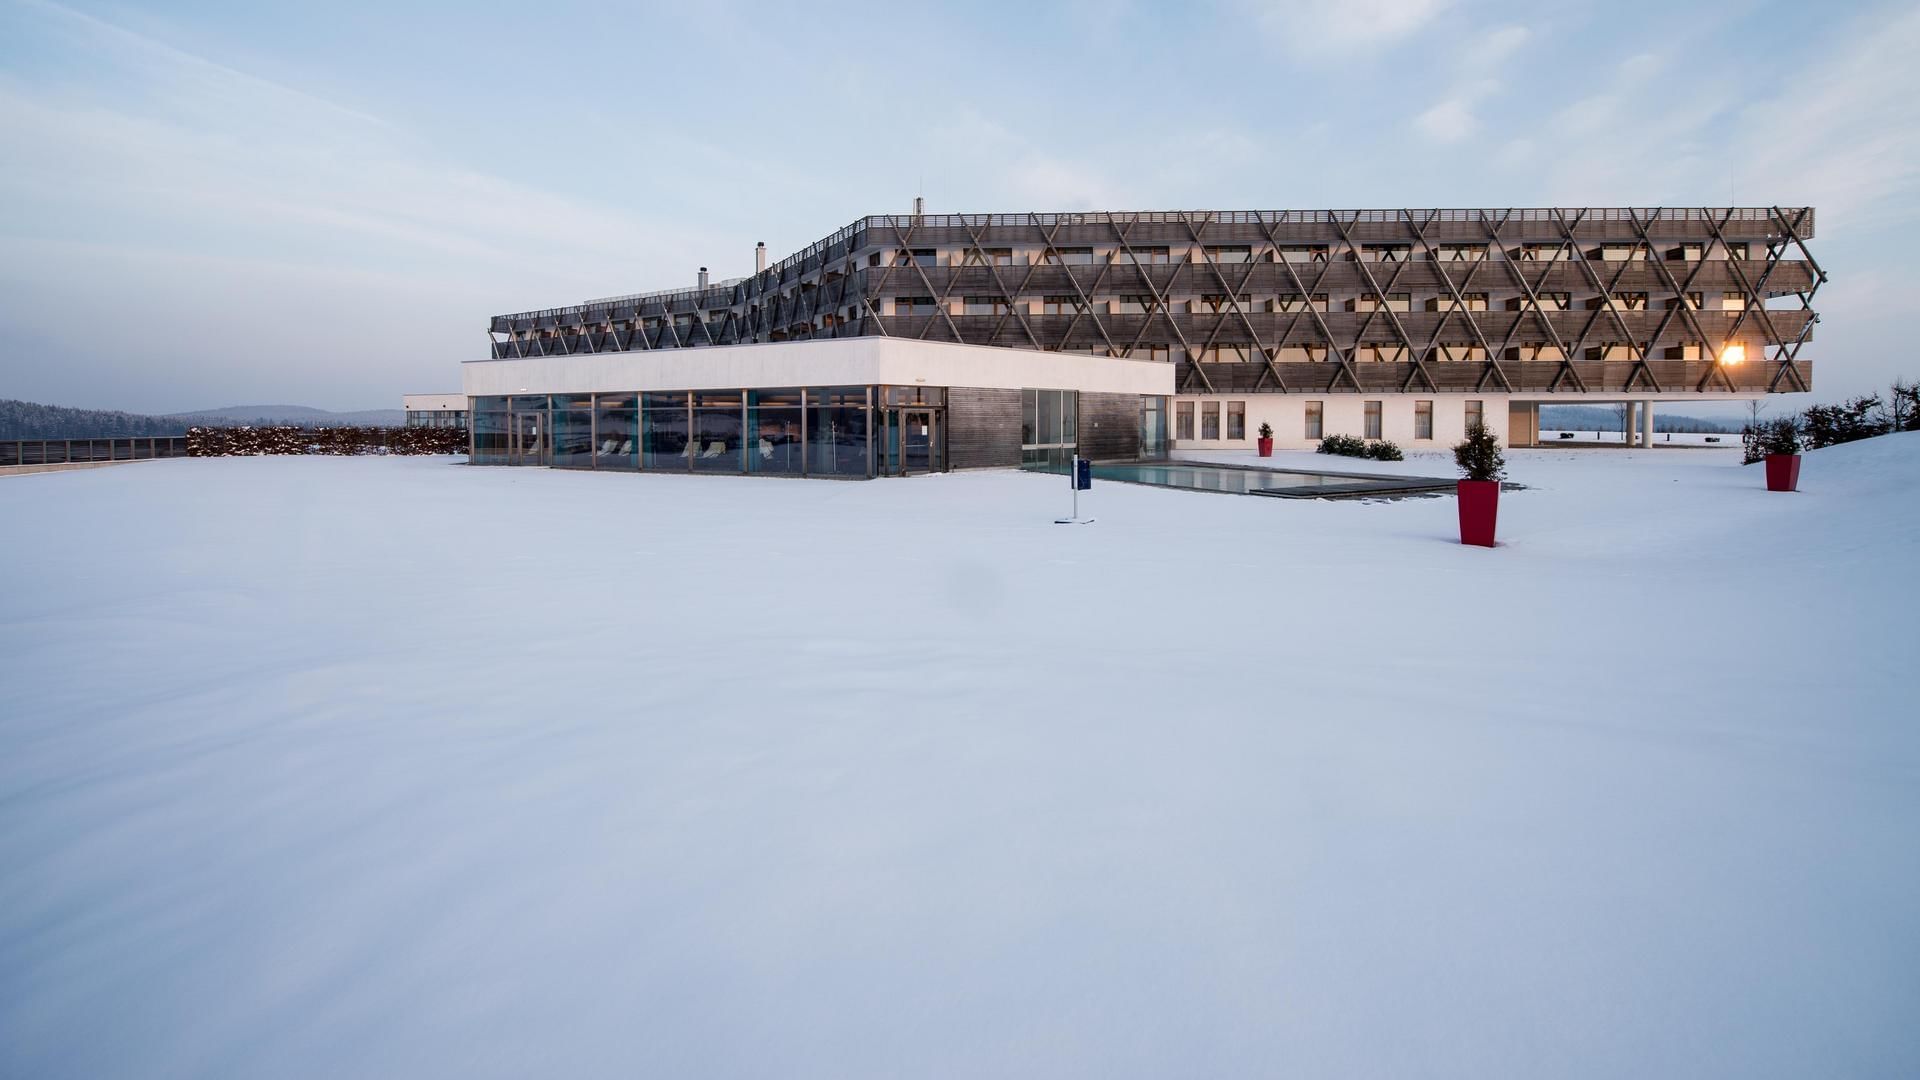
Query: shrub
x=1905, y=406
x=1343, y=445
x=1830, y=425
x=1479, y=455
x=1777, y=436
x=1384, y=450
x=1266, y=430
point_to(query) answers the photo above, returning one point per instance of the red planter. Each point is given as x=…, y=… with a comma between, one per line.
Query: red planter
x=1783, y=472
x=1266, y=447
x=1479, y=508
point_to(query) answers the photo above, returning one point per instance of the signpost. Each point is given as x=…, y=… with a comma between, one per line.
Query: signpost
x=1080, y=478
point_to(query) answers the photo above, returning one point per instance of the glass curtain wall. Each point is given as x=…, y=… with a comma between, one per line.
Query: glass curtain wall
x=529, y=431
x=825, y=431
x=573, y=431
x=664, y=431
x=839, y=431
x=774, y=441
x=1049, y=428
x=1153, y=427
x=491, y=422
x=718, y=430
x=616, y=431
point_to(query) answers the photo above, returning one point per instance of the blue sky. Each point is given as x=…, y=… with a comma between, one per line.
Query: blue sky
x=220, y=203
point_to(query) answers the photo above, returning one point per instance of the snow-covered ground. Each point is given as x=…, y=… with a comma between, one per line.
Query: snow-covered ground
x=387, y=767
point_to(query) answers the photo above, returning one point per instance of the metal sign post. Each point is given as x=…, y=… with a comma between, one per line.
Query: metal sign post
x=1079, y=478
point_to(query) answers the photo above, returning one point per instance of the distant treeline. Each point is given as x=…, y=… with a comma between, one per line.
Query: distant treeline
x=1605, y=418
x=28, y=420
x=1821, y=426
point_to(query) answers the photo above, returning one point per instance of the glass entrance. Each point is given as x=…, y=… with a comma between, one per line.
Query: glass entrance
x=529, y=441
x=919, y=442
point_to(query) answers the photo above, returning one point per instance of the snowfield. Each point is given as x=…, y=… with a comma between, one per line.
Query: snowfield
x=392, y=768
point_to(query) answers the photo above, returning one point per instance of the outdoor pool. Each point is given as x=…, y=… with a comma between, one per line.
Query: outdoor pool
x=1279, y=483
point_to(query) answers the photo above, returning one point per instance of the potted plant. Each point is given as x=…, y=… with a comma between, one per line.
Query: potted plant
x=1266, y=439
x=1482, y=467
x=1778, y=442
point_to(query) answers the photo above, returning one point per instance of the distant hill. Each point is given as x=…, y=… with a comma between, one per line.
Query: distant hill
x=29, y=420
x=1604, y=418
x=291, y=414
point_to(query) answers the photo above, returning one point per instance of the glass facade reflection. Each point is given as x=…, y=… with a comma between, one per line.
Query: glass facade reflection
x=791, y=431
x=853, y=432
x=1049, y=428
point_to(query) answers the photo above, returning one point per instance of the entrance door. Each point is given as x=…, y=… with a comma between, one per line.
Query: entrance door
x=529, y=445
x=919, y=441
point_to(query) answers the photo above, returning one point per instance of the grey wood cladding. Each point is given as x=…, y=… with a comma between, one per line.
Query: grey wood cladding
x=983, y=428
x=1110, y=426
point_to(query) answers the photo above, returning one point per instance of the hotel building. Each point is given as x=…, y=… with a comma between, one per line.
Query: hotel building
x=923, y=342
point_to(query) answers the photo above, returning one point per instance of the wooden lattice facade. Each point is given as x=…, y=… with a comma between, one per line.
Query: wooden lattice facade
x=1516, y=301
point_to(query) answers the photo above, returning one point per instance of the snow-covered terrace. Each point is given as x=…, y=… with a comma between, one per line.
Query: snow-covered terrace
x=387, y=767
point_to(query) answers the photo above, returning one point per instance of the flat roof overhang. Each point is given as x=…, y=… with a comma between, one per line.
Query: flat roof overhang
x=862, y=361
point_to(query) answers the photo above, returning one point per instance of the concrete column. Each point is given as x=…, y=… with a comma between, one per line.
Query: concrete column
x=1629, y=424
x=1646, y=423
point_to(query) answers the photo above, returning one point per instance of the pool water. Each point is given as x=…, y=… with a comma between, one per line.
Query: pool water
x=1283, y=483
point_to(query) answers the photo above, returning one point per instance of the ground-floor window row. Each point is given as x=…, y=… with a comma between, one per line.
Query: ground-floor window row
x=842, y=431
x=1313, y=422
x=438, y=418
x=846, y=431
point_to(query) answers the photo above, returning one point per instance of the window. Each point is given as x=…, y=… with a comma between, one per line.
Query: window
x=1236, y=419
x=1316, y=414
x=1060, y=305
x=1738, y=252
x=1230, y=254
x=1394, y=302
x=1226, y=354
x=1461, y=252
x=989, y=257
x=1068, y=256
x=1317, y=302
x=1467, y=302
x=1476, y=413
x=1388, y=252
x=1221, y=305
x=1314, y=253
x=1150, y=255
x=1209, y=420
x=913, y=305
x=1137, y=305
x=1183, y=421
x=1049, y=430
x=1423, y=419
x=1161, y=353
x=986, y=305
x=916, y=257
x=1372, y=430
x=1732, y=301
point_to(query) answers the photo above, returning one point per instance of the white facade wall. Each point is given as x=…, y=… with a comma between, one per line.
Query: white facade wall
x=433, y=402
x=1342, y=414
x=863, y=361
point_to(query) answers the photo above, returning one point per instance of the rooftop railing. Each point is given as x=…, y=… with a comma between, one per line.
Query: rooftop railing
x=1647, y=215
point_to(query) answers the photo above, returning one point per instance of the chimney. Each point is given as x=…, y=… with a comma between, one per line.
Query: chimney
x=703, y=277
x=760, y=257
x=919, y=205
